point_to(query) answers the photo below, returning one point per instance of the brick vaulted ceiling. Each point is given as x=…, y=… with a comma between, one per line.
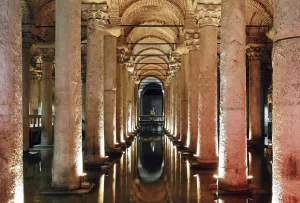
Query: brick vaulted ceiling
x=259, y=15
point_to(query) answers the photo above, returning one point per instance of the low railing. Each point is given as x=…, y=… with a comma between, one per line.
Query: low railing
x=36, y=121
x=151, y=118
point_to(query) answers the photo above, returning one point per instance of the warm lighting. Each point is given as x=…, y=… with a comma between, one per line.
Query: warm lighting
x=101, y=189
x=216, y=176
x=250, y=177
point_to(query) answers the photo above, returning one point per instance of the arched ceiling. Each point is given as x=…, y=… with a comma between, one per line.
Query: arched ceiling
x=150, y=41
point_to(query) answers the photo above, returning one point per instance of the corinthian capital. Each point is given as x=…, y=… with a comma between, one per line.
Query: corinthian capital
x=96, y=14
x=208, y=12
x=191, y=39
x=47, y=54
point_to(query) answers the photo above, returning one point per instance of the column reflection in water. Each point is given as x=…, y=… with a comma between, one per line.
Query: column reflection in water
x=101, y=189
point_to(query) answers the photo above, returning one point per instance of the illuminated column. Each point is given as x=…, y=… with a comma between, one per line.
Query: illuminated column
x=184, y=96
x=233, y=162
x=67, y=154
x=178, y=103
x=172, y=113
x=26, y=83
x=34, y=94
x=129, y=103
x=119, y=110
x=192, y=40
x=255, y=129
x=94, y=112
x=125, y=106
x=209, y=18
x=110, y=87
x=11, y=133
x=286, y=105
x=47, y=55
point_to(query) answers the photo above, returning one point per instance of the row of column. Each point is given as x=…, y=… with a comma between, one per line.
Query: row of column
x=202, y=96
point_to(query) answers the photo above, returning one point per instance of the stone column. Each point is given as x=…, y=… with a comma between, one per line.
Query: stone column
x=94, y=112
x=233, y=162
x=129, y=103
x=110, y=87
x=166, y=108
x=286, y=105
x=119, y=110
x=125, y=107
x=67, y=155
x=47, y=55
x=178, y=104
x=172, y=113
x=192, y=40
x=34, y=94
x=209, y=18
x=26, y=84
x=11, y=133
x=184, y=96
x=255, y=129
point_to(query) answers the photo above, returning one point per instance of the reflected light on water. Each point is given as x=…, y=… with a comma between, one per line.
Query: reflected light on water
x=101, y=189
x=188, y=172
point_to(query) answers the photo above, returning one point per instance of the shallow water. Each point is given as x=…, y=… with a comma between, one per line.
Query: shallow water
x=151, y=170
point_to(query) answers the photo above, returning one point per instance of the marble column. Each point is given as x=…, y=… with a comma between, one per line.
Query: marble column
x=184, y=96
x=129, y=103
x=172, y=112
x=34, y=94
x=192, y=40
x=67, y=155
x=95, y=84
x=11, y=133
x=255, y=128
x=125, y=106
x=233, y=162
x=166, y=106
x=207, y=103
x=178, y=104
x=286, y=105
x=119, y=110
x=110, y=87
x=47, y=55
x=26, y=84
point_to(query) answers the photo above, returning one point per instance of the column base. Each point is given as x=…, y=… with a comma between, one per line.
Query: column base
x=62, y=191
x=96, y=163
x=43, y=146
x=201, y=164
x=242, y=188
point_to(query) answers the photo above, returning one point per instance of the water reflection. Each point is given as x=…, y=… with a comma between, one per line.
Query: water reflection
x=151, y=170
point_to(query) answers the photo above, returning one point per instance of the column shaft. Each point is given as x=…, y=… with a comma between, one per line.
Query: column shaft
x=46, y=138
x=26, y=89
x=286, y=105
x=178, y=104
x=34, y=95
x=184, y=98
x=125, y=105
x=193, y=97
x=233, y=162
x=119, y=111
x=110, y=86
x=11, y=133
x=67, y=155
x=207, y=116
x=255, y=129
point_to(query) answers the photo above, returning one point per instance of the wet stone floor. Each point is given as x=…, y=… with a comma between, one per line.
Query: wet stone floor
x=151, y=170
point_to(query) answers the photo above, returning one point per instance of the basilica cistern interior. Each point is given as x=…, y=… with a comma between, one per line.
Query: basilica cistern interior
x=150, y=101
